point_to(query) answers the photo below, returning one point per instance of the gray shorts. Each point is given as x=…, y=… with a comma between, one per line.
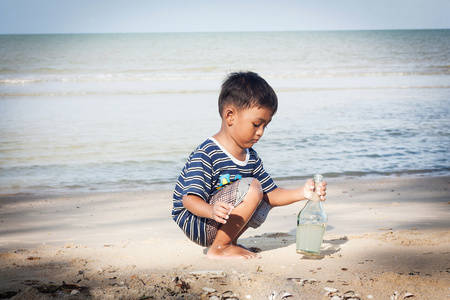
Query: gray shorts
x=233, y=194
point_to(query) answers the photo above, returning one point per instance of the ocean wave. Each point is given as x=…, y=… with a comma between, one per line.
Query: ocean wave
x=312, y=89
x=106, y=77
x=108, y=93
x=187, y=75
x=134, y=91
x=196, y=91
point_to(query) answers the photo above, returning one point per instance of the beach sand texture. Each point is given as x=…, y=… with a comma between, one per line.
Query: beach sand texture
x=386, y=239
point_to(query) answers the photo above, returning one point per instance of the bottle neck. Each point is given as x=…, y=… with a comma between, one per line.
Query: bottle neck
x=314, y=196
x=318, y=179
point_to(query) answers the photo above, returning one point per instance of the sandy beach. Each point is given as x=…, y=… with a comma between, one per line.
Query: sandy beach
x=386, y=238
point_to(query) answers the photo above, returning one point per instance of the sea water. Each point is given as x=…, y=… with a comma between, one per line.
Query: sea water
x=114, y=112
x=309, y=239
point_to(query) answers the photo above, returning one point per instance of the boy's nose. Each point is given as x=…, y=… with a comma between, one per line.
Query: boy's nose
x=260, y=131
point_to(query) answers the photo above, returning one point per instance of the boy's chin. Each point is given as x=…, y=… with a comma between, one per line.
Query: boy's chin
x=252, y=143
x=247, y=145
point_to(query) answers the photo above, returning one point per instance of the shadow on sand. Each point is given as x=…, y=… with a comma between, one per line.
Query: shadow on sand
x=278, y=240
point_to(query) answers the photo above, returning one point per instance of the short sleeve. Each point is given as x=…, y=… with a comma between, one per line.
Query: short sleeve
x=197, y=175
x=263, y=177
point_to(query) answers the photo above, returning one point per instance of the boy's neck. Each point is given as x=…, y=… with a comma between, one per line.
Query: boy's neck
x=230, y=145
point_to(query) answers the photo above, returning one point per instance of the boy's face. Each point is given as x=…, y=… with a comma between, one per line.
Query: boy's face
x=248, y=125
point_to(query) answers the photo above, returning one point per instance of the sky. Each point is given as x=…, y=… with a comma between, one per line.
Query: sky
x=117, y=16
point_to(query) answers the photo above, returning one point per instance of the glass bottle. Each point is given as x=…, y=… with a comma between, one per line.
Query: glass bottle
x=311, y=223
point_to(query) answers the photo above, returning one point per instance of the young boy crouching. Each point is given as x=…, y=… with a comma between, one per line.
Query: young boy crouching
x=223, y=188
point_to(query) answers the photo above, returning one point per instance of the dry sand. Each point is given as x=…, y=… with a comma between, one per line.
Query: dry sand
x=384, y=236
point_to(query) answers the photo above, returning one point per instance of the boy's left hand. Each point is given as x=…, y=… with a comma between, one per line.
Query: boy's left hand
x=308, y=190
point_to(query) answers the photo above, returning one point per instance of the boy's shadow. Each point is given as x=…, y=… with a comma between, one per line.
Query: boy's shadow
x=277, y=240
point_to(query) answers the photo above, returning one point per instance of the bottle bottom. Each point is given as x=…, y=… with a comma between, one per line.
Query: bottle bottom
x=308, y=253
x=309, y=239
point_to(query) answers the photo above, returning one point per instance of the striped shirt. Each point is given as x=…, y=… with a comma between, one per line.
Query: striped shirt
x=208, y=168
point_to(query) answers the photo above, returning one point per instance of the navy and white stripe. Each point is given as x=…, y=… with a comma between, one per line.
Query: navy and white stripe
x=200, y=176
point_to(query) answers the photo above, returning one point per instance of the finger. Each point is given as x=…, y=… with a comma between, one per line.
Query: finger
x=220, y=220
x=219, y=209
x=221, y=214
x=322, y=192
x=227, y=207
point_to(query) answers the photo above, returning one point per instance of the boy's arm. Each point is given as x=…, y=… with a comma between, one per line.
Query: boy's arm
x=219, y=212
x=281, y=196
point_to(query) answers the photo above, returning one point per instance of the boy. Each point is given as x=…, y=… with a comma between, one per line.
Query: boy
x=223, y=189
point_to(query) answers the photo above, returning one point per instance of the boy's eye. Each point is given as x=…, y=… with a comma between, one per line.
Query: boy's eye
x=259, y=125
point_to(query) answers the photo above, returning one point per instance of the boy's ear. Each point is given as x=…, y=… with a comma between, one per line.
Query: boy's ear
x=229, y=115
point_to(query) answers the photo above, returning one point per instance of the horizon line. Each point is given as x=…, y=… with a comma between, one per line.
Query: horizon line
x=211, y=32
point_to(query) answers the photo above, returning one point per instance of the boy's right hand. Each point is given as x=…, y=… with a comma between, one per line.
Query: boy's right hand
x=221, y=212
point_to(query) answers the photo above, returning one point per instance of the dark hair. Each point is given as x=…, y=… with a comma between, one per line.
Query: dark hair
x=246, y=90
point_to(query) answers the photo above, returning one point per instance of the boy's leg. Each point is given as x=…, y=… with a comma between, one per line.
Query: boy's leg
x=223, y=247
x=258, y=217
x=235, y=241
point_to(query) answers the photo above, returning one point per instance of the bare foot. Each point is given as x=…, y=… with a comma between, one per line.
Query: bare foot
x=230, y=251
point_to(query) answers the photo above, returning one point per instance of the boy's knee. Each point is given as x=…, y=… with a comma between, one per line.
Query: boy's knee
x=256, y=190
x=250, y=190
x=256, y=186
